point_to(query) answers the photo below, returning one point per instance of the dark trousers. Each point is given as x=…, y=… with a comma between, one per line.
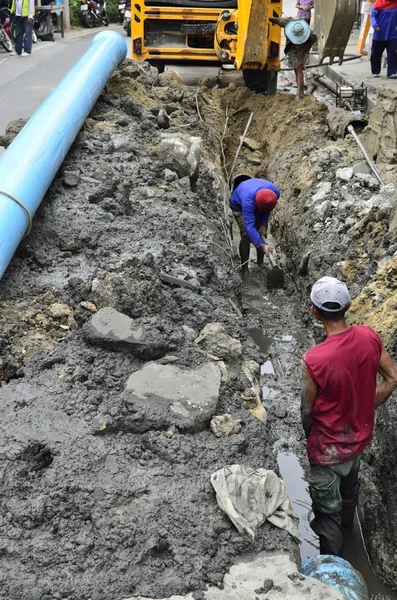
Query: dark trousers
x=334, y=494
x=378, y=47
x=23, y=35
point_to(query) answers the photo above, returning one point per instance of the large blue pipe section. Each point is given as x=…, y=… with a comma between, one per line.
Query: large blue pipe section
x=30, y=163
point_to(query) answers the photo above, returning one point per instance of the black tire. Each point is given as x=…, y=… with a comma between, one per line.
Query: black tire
x=5, y=41
x=159, y=64
x=89, y=19
x=105, y=19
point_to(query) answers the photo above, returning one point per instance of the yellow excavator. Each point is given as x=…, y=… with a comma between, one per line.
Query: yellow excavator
x=234, y=32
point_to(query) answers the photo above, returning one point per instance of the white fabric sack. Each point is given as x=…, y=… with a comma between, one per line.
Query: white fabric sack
x=250, y=496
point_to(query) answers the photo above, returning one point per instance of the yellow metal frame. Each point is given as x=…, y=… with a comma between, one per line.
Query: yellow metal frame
x=248, y=49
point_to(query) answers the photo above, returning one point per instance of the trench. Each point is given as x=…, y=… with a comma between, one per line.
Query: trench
x=283, y=340
x=127, y=502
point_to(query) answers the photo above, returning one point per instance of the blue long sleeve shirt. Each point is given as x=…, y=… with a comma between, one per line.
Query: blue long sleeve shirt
x=386, y=20
x=243, y=201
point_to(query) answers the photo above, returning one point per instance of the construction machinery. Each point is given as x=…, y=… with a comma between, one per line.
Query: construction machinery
x=234, y=32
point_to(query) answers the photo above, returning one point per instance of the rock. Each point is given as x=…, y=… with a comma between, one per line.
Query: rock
x=254, y=159
x=168, y=76
x=108, y=327
x=160, y=396
x=323, y=189
x=163, y=120
x=225, y=425
x=169, y=175
x=214, y=340
x=323, y=210
x=63, y=313
x=362, y=167
x=368, y=181
x=189, y=332
x=344, y=174
x=179, y=153
x=388, y=189
x=122, y=143
x=194, y=157
x=251, y=143
x=71, y=178
x=192, y=284
x=89, y=306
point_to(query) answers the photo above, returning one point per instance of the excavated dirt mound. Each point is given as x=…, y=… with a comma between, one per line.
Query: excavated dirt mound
x=97, y=504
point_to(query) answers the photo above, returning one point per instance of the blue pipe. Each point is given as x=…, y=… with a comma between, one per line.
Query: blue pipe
x=30, y=163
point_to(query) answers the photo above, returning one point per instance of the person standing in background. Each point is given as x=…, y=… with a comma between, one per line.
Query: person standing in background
x=305, y=8
x=24, y=13
x=384, y=23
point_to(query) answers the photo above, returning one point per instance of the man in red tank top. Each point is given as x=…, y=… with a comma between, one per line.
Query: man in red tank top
x=339, y=398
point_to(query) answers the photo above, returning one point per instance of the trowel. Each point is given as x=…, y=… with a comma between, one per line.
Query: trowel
x=275, y=276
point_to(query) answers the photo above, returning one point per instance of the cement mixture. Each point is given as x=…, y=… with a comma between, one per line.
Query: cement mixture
x=128, y=279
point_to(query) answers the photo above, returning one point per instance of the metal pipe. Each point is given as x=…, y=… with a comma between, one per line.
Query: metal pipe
x=367, y=158
x=30, y=163
x=239, y=148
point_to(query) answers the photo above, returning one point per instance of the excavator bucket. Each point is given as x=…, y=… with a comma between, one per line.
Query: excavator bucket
x=335, y=21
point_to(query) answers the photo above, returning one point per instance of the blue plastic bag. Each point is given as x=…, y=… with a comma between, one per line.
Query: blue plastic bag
x=338, y=574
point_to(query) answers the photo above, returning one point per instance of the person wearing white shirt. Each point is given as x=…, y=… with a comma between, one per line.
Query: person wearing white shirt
x=24, y=13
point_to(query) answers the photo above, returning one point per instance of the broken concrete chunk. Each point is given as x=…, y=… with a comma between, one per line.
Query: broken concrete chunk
x=71, y=178
x=362, y=167
x=344, y=174
x=368, y=181
x=169, y=175
x=122, y=143
x=323, y=210
x=180, y=153
x=160, y=396
x=225, y=425
x=251, y=143
x=111, y=328
x=214, y=340
x=193, y=284
x=163, y=120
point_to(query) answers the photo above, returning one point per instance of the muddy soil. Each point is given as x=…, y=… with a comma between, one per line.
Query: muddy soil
x=91, y=507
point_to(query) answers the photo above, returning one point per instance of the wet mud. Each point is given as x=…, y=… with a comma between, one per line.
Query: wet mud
x=97, y=502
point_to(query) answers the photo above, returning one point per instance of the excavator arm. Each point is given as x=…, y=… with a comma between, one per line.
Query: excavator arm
x=335, y=20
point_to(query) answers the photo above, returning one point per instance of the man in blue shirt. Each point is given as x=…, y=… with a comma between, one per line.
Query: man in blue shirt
x=384, y=22
x=251, y=203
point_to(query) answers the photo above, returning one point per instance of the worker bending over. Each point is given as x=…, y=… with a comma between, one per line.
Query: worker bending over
x=300, y=39
x=339, y=398
x=252, y=202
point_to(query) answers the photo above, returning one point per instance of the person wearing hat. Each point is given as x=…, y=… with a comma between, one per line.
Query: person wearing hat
x=300, y=38
x=339, y=397
x=252, y=202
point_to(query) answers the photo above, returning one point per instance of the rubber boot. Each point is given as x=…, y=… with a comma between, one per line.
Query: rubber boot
x=260, y=253
x=244, y=250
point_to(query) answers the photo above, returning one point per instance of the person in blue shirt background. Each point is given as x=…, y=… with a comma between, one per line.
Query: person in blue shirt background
x=251, y=203
x=384, y=22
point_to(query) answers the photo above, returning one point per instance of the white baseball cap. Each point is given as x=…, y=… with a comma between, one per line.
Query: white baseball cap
x=330, y=289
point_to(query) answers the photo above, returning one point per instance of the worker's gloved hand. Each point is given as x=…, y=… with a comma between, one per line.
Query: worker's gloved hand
x=267, y=248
